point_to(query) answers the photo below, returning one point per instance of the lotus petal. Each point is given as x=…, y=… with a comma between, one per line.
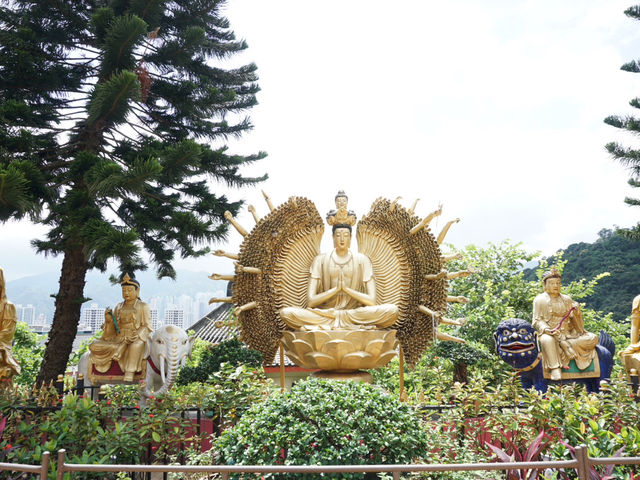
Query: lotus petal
x=295, y=359
x=301, y=346
x=374, y=347
x=338, y=348
x=355, y=360
x=385, y=358
x=321, y=360
x=319, y=338
x=390, y=335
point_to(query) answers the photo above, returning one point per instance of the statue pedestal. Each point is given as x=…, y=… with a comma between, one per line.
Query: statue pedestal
x=341, y=351
x=114, y=375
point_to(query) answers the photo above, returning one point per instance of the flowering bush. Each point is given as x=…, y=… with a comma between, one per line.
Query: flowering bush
x=325, y=422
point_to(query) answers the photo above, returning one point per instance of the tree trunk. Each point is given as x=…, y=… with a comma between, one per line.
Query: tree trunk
x=460, y=373
x=67, y=315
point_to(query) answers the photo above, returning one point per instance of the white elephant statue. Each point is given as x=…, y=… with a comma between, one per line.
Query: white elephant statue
x=168, y=349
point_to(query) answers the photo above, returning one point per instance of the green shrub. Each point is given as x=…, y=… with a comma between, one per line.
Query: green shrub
x=209, y=359
x=325, y=422
x=28, y=350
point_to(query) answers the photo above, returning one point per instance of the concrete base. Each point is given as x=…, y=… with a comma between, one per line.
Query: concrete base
x=357, y=376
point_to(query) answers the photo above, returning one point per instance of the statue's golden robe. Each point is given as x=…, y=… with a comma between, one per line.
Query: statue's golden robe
x=8, y=320
x=128, y=347
x=341, y=311
x=547, y=314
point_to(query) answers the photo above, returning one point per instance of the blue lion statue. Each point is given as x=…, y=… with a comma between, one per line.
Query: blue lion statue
x=516, y=344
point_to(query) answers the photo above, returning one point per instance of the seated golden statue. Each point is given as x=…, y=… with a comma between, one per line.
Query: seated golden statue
x=124, y=334
x=561, y=334
x=8, y=321
x=343, y=310
x=630, y=356
x=342, y=288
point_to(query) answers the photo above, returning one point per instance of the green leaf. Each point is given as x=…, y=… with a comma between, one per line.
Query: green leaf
x=110, y=100
x=122, y=35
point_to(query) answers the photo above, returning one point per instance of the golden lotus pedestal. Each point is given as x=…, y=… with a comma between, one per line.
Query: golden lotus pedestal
x=341, y=354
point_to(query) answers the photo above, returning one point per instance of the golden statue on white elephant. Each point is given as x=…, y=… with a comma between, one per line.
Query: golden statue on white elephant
x=121, y=352
x=340, y=310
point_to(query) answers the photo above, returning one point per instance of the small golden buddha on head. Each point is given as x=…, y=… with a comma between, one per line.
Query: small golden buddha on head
x=341, y=216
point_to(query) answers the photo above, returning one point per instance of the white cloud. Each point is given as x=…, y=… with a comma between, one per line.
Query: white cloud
x=493, y=108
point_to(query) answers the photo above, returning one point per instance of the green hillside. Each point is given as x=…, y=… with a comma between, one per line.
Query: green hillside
x=610, y=253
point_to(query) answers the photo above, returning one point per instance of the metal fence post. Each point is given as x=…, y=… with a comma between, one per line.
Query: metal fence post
x=80, y=384
x=60, y=467
x=583, y=462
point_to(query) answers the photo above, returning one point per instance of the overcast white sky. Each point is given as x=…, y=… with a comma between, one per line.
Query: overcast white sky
x=493, y=108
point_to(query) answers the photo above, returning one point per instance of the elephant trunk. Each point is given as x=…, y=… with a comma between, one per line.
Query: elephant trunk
x=172, y=366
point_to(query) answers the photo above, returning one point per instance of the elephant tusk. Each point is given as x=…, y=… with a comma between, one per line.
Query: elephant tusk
x=162, y=373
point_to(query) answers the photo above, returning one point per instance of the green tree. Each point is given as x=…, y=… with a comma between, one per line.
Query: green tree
x=232, y=352
x=495, y=292
x=28, y=350
x=113, y=118
x=627, y=156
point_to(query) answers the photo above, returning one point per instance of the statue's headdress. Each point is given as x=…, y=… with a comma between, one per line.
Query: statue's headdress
x=553, y=273
x=341, y=216
x=127, y=280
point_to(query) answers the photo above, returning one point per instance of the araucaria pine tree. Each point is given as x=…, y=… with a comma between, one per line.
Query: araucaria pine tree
x=113, y=118
x=629, y=157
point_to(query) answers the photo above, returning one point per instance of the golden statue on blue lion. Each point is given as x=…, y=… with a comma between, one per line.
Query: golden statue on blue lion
x=555, y=347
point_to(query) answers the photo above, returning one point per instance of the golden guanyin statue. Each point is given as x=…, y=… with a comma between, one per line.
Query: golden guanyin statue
x=122, y=349
x=341, y=310
x=8, y=321
x=342, y=288
x=561, y=334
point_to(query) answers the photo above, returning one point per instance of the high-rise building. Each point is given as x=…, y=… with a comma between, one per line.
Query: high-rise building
x=28, y=314
x=93, y=317
x=174, y=315
x=155, y=319
x=186, y=303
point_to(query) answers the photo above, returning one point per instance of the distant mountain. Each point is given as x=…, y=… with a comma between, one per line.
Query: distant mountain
x=610, y=253
x=37, y=289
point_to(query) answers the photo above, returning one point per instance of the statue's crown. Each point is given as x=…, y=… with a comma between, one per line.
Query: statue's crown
x=341, y=216
x=553, y=273
x=127, y=280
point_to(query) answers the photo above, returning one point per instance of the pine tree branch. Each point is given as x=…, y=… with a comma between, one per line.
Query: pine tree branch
x=97, y=53
x=133, y=140
x=55, y=165
x=150, y=46
x=144, y=128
